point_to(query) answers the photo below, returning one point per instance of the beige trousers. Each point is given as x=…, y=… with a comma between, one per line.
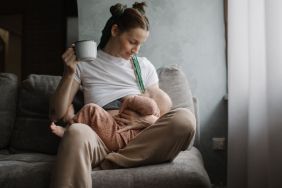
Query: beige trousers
x=81, y=149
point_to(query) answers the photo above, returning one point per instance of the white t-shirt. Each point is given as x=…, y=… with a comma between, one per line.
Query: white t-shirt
x=108, y=78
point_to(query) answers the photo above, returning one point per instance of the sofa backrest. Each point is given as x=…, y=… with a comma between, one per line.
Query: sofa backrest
x=31, y=132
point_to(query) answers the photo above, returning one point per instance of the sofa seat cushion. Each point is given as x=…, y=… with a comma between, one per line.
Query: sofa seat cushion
x=33, y=170
x=186, y=170
x=26, y=170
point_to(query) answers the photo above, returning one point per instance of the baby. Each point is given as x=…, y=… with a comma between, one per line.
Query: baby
x=103, y=122
x=140, y=104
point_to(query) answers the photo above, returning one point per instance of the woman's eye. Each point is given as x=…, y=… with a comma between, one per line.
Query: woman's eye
x=134, y=42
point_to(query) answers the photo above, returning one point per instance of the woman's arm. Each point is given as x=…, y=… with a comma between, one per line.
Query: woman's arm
x=63, y=97
x=67, y=88
x=161, y=98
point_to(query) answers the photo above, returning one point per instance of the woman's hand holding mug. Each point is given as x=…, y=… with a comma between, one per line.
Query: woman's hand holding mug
x=83, y=50
x=70, y=61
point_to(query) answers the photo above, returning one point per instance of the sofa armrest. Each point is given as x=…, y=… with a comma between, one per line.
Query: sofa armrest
x=196, y=112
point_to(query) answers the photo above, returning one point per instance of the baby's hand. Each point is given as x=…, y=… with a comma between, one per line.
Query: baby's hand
x=125, y=103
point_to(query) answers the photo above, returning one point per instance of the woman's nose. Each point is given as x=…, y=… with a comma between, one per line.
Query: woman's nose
x=135, y=50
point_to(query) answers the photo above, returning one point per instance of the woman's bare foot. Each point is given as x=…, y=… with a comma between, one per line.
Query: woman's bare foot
x=57, y=130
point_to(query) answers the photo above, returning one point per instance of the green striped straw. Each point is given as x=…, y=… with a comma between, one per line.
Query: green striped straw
x=138, y=74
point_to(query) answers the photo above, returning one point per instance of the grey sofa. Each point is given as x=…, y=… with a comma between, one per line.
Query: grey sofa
x=28, y=148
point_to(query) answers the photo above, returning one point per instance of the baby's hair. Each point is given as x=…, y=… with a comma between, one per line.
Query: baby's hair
x=126, y=19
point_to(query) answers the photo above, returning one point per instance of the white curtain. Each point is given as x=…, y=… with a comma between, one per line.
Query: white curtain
x=255, y=94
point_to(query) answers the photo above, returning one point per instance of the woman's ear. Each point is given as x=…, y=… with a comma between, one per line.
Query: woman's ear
x=115, y=30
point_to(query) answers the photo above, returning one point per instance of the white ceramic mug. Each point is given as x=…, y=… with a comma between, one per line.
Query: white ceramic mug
x=86, y=50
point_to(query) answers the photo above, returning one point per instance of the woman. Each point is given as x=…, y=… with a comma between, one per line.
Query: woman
x=105, y=80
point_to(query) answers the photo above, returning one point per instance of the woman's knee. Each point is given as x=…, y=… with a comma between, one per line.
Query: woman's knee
x=79, y=132
x=183, y=122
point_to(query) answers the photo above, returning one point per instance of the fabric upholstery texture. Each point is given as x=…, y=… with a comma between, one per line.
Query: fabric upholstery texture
x=31, y=132
x=26, y=170
x=8, y=98
x=186, y=171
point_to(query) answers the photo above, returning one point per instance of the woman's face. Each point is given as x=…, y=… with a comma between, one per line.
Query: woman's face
x=129, y=42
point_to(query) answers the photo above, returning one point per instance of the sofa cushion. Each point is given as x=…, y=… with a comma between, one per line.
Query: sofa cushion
x=26, y=170
x=186, y=171
x=8, y=98
x=31, y=132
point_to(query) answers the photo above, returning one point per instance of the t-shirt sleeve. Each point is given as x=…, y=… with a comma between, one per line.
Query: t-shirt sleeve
x=150, y=75
x=78, y=71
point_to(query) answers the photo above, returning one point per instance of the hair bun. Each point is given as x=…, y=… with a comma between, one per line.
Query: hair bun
x=139, y=7
x=117, y=9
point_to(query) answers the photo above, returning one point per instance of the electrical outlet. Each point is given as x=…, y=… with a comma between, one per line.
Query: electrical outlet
x=218, y=143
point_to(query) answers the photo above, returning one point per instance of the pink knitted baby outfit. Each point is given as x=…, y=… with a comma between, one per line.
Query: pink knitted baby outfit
x=105, y=125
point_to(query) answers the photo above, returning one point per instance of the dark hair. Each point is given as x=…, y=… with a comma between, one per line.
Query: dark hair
x=126, y=19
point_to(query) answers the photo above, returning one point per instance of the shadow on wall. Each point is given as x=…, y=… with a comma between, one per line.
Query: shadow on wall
x=215, y=160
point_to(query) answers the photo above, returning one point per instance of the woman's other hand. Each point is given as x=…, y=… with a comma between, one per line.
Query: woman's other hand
x=70, y=61
x=132, y=120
